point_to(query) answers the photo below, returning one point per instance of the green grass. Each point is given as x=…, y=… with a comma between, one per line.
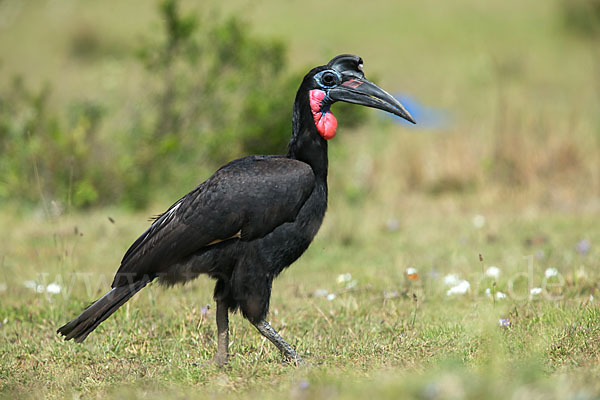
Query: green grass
x=369, y=339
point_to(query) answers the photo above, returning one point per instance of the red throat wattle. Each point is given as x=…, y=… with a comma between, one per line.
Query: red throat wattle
x=325, y=121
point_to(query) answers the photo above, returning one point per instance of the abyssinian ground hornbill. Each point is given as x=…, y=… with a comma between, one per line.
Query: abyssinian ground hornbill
x=254, y=217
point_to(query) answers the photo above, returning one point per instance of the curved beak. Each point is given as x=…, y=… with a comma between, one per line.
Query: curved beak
x=359, y=90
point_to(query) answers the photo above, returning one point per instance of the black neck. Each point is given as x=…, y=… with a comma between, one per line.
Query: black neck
x=306, y=144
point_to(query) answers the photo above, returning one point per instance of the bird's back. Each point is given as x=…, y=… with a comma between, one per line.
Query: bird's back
x=247, y=198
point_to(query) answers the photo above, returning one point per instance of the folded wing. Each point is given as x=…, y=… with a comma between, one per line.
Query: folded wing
x=249, y=198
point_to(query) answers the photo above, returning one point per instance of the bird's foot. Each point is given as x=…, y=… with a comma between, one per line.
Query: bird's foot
x=220, y=359
x=288, y=351
x=294, y=360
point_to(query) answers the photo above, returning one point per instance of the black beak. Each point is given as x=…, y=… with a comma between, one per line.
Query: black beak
x=360, y=91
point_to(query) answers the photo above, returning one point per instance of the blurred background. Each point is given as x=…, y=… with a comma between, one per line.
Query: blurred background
x=122, y=103
x=459, y=255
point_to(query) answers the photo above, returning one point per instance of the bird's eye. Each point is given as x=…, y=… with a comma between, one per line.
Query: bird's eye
x=328, y=79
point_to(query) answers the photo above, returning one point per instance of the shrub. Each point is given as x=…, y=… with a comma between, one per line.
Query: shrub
x=44, y=158
x=214, y=92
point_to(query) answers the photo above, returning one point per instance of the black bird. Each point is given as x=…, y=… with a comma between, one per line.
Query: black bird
x=251, y=219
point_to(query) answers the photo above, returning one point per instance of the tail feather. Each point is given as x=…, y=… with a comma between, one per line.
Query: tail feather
x=99, y=310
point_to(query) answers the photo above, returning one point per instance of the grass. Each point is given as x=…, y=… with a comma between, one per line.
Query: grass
x=371, y=338
x=521, y=150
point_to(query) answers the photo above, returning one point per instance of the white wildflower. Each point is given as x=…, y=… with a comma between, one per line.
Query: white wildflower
x=461, y=287
x=53, y=288
x=330, y=296
x=492, y=272
x=344, y=278
x=499, y=295
x=451, y=279
x=550, y=272
x=535, y=290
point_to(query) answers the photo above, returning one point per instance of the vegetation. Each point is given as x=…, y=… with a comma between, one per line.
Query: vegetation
x=107, y=118
x=375, y=333
x=583, y=17
x=206, y=101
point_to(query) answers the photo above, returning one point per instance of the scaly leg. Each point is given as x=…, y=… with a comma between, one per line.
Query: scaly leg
x=267, y=331
x=222, y=355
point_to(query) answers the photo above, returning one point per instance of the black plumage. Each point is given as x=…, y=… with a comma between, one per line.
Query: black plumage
x=254, y=217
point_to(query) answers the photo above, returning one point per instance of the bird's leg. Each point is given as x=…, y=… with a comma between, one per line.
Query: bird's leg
x=222, y=355
x=267, y=331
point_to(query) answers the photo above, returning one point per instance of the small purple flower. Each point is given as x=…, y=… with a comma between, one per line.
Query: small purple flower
x=303, y=384
x=504, y=322
x=583, y=247
x=204, y=310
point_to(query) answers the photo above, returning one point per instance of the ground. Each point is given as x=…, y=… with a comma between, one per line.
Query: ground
x=363, y=326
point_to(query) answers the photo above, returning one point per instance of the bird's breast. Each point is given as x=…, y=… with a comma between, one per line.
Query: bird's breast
x=289, y=241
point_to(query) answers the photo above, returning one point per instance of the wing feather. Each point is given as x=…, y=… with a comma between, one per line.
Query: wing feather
x=249, y=197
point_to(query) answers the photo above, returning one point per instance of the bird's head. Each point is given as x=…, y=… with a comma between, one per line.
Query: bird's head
x=342, y=79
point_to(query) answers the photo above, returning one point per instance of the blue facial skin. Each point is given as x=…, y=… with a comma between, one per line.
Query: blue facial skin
x=319, y=76
x=327, y=101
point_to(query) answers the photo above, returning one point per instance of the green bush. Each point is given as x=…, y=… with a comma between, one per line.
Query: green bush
x=44, y=158
x=214, y=92
x=221, y=93
x=218, y=86
x=217, y=93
